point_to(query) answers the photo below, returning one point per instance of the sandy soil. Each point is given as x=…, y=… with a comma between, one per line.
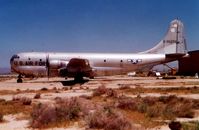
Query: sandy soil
x=29, y=86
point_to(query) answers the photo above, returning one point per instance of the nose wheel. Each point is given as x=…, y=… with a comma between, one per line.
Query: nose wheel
x=19, y=80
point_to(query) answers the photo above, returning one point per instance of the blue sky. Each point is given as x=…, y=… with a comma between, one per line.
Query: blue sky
x=91, y=25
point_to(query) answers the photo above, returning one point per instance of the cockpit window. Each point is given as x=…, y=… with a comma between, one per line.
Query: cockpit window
x=14, y=57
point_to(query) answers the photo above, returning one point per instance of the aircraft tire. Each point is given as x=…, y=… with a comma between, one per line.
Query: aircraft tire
x=78, y=78
x=19, y=80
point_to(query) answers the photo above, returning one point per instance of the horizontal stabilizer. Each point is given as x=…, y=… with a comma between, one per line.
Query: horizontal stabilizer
x=175, y=55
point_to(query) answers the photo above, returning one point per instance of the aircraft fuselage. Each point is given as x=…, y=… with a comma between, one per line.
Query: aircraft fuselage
x=34, y=63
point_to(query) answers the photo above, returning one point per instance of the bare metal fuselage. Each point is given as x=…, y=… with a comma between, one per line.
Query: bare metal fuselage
x=34, y=63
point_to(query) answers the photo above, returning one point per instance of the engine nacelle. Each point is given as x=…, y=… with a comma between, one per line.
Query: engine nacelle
x=77, y=68
x=56, y=64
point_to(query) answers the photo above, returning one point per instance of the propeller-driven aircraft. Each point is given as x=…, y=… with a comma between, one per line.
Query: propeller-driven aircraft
x=78, y=65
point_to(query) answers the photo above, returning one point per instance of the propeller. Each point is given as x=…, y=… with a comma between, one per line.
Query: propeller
x=48, y=66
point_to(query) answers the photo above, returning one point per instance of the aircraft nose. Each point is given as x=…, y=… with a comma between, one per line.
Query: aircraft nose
x=12, y=65
x=13, y=58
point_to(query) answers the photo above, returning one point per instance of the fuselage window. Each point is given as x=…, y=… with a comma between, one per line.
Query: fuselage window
x=104, y=60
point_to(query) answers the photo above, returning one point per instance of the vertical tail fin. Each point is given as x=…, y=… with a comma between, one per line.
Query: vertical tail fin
x=174, y=41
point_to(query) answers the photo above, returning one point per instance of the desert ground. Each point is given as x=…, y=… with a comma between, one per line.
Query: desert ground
x=142, y=103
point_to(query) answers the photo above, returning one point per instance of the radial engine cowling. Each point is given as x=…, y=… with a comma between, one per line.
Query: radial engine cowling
x=77, y=68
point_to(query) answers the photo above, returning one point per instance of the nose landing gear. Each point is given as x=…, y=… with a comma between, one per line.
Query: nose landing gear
x=19, y=80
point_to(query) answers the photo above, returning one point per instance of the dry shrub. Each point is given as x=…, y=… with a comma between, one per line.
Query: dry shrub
x=150, y=100
x=182, y=110
x=179, y=107
x=142, y=107
x=168, y=107
x=68, y=109
x=37, y=96
x=1, y=117
x=117, y=122
x=42, y=115
x=168, y=99
x=16, y=98
x=64, y=110
x=100, y=91
x=86, y=97
x=154, y=111
x=2, y=100
x=124, y=86
x=65, y=88
x=26, y=101
x=97, y=119
x=108, y=120
x=111, y=93
x=127, y=103
x=195, y=104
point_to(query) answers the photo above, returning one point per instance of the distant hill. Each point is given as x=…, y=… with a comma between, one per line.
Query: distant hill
x=5, y=70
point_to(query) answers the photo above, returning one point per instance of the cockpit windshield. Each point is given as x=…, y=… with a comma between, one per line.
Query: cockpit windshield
x=14, y=57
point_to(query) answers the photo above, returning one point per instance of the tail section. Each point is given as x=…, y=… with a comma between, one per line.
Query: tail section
x=173, y=43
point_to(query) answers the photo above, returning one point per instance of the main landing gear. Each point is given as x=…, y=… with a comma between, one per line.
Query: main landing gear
x=19, y=80
x=78, y=78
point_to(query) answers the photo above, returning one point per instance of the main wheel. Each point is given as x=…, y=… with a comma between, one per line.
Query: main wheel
x=19, y=80
x=78, y=78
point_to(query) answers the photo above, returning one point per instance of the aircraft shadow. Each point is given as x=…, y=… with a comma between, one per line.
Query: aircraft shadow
x=73, y=82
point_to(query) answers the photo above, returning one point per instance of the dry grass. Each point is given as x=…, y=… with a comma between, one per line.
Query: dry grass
x=116, y=111
x=75, y=109
x=23, y=100
x=42, y=90
x=177, y=90
x=13, y=107
x=190, y=125
x=165, y=107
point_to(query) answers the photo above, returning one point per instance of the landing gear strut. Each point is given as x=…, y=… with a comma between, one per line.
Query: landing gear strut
x=19, y=80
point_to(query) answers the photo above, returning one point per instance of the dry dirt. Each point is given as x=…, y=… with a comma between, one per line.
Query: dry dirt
x=58, y=87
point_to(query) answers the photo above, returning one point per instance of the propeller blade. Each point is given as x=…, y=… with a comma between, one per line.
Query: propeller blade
x=48, y=66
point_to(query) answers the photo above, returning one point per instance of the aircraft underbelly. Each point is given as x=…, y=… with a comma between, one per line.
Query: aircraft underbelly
x=32, y=70
x=103, y=69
